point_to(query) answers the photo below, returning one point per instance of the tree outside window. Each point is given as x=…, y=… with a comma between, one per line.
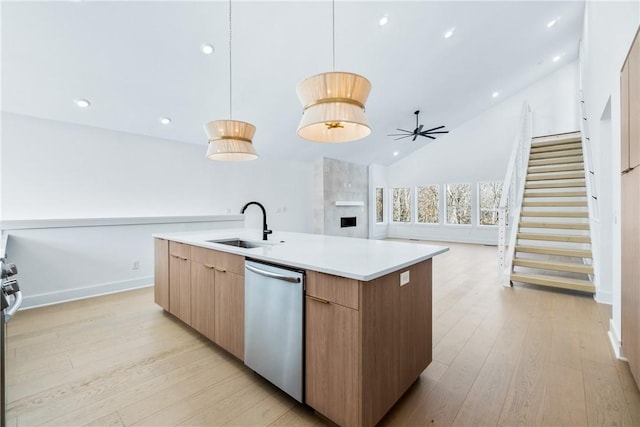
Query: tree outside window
x=401, y=205
x=428, y=204
x=379, y=205
x=459, y=204
x=490, y=193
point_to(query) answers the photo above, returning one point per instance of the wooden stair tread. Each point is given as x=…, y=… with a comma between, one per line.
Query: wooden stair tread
x=564, y=168
x=573, y=238
x=556, y=147
x=554, y=154
x=555, y=225
x=558, y=214
x=556, y=161
x=544, y=250
x=578, y=183
x=528, y=194
x=556, y=203
x=571, y=267
x=566, y=138
x=556, y=282
x=532, y=176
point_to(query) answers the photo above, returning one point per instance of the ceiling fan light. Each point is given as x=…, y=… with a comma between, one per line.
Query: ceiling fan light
x=334, y=107
x=230, y=140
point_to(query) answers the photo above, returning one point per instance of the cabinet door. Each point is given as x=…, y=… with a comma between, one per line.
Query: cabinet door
x=333, y=361
x=634, y=104
x=229, y=312
x=161, y=273
x=202, y=298
x=630, y=223
x=180, y=287
x=624, y=118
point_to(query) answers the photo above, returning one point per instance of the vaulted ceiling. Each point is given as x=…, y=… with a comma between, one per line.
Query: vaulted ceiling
x=139, y=61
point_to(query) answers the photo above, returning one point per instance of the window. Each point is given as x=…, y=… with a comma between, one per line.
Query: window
x=429, y=204
x=459, y=204
x=379, y=205
x=489, y=193
x=401, y=205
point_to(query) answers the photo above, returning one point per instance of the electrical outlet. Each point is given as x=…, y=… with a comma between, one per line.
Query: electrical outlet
x=404, y=278
x=135, y=265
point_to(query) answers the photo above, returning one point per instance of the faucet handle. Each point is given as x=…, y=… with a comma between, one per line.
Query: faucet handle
x=268, y=231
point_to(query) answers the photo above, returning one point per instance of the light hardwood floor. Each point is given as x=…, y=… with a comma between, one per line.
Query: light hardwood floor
x=502, y=356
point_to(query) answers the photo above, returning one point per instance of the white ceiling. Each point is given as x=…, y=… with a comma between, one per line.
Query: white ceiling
x=139, y=61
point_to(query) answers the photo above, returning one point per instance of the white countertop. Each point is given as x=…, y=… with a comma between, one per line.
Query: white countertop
x=359, y=259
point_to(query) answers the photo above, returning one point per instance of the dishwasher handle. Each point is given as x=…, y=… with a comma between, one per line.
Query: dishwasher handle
x=272, y=275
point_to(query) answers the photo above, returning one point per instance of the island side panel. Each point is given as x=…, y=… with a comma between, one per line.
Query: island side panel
x=415, y=325
x=161, y=273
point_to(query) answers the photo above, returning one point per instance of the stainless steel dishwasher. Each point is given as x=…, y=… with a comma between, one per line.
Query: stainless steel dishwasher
x=273, y=325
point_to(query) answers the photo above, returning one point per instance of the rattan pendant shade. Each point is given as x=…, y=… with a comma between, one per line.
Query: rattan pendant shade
x=230, y=140
x=334, y=107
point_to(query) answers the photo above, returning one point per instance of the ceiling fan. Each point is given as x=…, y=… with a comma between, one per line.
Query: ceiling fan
x=418, y=131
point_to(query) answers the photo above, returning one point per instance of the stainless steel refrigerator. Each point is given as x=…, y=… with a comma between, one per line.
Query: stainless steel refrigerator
x=10, y=301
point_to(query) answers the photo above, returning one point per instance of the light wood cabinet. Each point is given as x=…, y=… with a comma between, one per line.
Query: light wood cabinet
x=202, y=298
x=630, y=224
x=634, y=104
x=180, y=281
x=630, y=215
x=161, y=273
x=624, y=118
x=364, y=350
x=229, y=312
x=630, y=109
x=332, y=334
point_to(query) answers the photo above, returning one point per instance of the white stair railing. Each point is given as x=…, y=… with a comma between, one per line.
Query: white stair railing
x=592, y=191
x=512, y=194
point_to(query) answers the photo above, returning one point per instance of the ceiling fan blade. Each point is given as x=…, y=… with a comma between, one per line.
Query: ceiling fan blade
x=399, y=134
x=439, y=127
x=403, y=137
x=426, y=132
x=432, y=137
x=419, y=129
x=404, y=130
x=415, y=136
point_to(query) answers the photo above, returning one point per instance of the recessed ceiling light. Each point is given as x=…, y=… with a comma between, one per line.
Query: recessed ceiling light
x=82, y=103
x=495, y=94
x=165, y=120
x=395, y=153
x=557, y=58
x=206, y=48
x=449, y=33
x=552, y=22
x=383, y=21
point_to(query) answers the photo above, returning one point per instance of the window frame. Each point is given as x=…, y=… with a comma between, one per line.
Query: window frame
x=479, y=201
x=392, y=202
x=446, y=210
x=440, y=219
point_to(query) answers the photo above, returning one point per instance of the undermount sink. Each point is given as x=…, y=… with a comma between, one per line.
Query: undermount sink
x=239, y=243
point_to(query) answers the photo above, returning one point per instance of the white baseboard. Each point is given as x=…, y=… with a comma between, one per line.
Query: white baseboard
x=604, y=297
x=614, y=339
x=40, y=300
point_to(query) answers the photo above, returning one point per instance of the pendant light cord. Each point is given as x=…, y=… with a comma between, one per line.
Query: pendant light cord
x=230, y=68
x=333, y=31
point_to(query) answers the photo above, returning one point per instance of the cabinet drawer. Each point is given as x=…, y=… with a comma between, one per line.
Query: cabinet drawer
x=335, y=289
x=180, y=250
x=222, y=260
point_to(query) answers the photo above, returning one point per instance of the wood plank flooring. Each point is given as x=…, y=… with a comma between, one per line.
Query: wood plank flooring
x=502, y=356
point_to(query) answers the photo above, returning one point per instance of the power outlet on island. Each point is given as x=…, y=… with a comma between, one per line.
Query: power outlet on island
x=135, y=265
x=404, y=278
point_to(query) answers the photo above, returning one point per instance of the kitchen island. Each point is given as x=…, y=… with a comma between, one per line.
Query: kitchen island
x=367, y=309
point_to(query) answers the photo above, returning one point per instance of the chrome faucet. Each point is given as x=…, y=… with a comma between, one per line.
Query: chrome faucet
x=265, y=229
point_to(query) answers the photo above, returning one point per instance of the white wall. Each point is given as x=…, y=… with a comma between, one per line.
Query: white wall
x=54, y=170
x=479, y=150
x=609, y=28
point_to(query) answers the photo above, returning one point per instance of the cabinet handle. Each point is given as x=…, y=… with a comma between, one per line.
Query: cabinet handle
x=210, y=266
x=175, y=256
x=184, y=259
x=220, y=270
x=323, y=301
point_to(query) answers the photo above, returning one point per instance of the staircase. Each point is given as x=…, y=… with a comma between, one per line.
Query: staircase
x=553, y=246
